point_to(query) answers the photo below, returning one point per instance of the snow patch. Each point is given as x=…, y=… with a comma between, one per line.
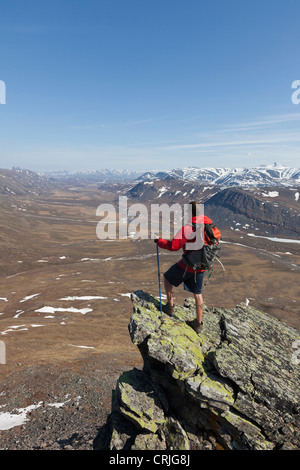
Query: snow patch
x=10, y=420
x=84, y=297
x=162, y=191
x=52, y=310
x=14, y=328
x=274, y=239
x=271, y=194
x=29, y=297
x=19, y=416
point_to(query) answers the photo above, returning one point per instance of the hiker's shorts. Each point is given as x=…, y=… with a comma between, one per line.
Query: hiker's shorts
x=176, y=275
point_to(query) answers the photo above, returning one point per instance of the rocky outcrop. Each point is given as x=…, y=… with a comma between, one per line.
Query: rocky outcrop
x=236, y=385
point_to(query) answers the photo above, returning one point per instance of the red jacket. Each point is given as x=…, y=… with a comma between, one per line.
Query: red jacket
x=184, y=235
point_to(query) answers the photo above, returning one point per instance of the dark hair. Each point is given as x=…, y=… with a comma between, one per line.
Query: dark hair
x=194, y=208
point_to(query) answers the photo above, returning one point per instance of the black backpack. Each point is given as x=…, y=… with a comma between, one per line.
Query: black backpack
x=204, y=257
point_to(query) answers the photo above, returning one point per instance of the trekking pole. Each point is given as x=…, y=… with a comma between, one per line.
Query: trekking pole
x=158, y=273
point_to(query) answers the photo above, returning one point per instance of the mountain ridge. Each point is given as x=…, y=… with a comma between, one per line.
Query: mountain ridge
x=18, y=181
x=262, y=175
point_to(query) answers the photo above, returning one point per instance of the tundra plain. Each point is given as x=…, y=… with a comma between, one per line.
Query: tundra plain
x=65, y=294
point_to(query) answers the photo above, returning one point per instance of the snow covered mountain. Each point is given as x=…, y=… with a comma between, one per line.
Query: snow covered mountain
x=263, y=199
x=264, y=175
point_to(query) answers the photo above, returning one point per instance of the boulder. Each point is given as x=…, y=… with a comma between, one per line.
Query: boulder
x=234, y=386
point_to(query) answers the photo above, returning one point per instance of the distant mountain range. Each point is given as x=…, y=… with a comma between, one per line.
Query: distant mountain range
x=97, y=176
x=265, y=199
x=265, y=175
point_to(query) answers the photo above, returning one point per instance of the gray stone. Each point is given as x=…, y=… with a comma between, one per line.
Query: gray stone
x=233, y=386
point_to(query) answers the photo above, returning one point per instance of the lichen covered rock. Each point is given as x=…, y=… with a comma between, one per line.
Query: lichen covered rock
x=138, y=402
x=233, y=386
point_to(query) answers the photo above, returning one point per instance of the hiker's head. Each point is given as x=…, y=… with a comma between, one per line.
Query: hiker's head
x=194, y=207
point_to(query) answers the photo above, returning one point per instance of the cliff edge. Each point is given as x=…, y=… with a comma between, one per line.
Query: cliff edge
x=235, y=386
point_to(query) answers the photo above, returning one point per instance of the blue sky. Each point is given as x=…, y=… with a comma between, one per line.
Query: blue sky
x=149, y=84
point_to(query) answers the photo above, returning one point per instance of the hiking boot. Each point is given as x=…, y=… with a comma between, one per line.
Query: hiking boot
x=168, y=309
x=195, y=325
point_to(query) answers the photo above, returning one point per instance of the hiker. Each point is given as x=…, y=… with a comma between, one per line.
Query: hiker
x=181, y=272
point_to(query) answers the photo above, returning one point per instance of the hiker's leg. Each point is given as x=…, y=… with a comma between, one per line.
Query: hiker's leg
x=169, y=291
x=172, y=278
x=199, y=306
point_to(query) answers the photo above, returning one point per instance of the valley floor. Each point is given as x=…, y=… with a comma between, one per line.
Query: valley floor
x=65, y=308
